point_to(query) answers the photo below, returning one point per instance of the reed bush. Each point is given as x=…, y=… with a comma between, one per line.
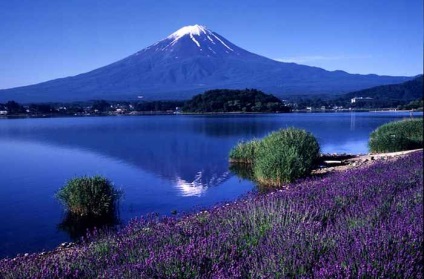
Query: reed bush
x=397, y=136
x=244, y=152
x=285, y=156
x=89, y=196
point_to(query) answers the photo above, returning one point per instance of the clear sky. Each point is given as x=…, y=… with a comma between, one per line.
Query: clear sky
x=44, y=39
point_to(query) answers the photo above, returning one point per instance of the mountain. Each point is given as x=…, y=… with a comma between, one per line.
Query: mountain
x=386, y=96
x=191, y=61
x=406, y=91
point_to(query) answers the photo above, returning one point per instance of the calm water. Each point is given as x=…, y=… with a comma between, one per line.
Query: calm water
x=162, y=163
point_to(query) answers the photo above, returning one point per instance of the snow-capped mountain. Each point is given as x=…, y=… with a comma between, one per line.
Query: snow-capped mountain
x=187, y=62
x=194, y=40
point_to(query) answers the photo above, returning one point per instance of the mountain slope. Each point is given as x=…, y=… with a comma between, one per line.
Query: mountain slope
x=190, y=61
x=407, y=91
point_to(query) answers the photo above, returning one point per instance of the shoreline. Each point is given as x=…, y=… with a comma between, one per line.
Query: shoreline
x=338, y=163
x=343, y=162
x=160, y=113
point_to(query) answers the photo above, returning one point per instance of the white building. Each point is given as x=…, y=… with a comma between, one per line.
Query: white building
x=359, y=99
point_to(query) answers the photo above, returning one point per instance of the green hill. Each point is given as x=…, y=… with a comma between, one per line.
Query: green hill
x=225, y=100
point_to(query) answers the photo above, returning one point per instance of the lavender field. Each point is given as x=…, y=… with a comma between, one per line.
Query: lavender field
x=360, y=223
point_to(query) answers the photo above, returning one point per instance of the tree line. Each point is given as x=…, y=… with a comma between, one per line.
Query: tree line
x=222, y=100
x=226, y=100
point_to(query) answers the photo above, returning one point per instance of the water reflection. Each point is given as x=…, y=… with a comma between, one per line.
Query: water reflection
x=188, y=189
x=352, y=121
x=178, y=148
x=181, y=146
x=200, y=184
x=78, y=226
x=243, y=171
x=157, y=145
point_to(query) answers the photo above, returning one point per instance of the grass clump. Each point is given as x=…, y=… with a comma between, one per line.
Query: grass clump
x=281, y=157
x=397, y=136
x=89, y=196
x=244, y=152
x=285, y=156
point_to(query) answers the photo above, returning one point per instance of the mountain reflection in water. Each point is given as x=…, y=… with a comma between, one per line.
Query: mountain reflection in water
x=200, y=184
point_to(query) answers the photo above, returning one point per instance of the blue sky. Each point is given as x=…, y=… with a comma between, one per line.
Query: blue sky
x=44, y=39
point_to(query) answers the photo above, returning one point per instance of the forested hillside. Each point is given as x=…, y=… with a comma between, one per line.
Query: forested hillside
x=225, y=100
x=390, y=95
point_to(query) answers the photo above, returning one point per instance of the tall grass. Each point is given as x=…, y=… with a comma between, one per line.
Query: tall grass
x=281, y=157
x=244, y=152
x=89, y=196
x=285, y=156
x=397, y=136
x=363, y=223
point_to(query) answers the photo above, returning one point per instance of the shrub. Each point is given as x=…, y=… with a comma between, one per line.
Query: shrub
x=285, y=156
x=397, y=136
x=89, y=196
x=244, y=152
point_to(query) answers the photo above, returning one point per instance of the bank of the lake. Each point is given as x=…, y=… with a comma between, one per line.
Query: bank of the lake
x=361, y=222
x=173, y=112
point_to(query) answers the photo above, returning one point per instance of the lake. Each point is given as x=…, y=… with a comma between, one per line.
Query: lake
x=162, y=163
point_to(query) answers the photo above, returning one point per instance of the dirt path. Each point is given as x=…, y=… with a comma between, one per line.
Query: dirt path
x=341, y=162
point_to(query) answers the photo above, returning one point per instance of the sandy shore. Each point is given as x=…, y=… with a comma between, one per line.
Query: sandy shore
x=342, y=162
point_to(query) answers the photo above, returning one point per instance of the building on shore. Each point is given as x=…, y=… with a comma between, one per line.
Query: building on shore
x=360, y=99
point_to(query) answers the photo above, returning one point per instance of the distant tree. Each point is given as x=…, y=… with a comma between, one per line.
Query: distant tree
x=157, y=105
x=101, y=106
x=14, y=108
x=417, y=104
x=41, y=108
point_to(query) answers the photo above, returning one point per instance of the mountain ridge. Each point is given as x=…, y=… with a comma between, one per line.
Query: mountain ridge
x=406, y=91
x=190, y=61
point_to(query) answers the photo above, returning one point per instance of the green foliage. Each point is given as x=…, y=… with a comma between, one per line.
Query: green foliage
x=41, y=108
x=391, y=95
x=244, y=152
x=101, y=106
x=14, y=108
x=225, y=100
x=285, y=156
x=89, y=196
x=157, y=105
x=413, y=105
x=397, y=136
x=279, y=158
